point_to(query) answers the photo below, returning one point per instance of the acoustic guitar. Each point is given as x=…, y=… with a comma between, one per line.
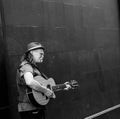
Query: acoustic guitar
x=38, y=98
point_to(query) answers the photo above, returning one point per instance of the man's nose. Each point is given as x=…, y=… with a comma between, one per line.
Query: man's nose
x=41, y=55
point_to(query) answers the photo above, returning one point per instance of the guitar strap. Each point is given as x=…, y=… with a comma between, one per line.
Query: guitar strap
x=44, y=76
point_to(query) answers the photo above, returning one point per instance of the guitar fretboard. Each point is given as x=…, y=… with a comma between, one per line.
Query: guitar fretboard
x=58, y=87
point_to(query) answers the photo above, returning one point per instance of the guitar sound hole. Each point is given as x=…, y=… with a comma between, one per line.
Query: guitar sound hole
x=48, y=86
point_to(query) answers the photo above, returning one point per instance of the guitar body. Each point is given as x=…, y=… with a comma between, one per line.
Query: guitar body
x=38, y=98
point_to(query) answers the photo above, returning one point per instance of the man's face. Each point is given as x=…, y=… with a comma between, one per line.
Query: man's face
x=38, y=55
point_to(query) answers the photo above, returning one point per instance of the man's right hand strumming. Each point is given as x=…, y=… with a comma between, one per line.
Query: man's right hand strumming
x=49, y=93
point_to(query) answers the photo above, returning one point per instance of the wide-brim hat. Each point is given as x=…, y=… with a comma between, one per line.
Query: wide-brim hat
x=34, y=46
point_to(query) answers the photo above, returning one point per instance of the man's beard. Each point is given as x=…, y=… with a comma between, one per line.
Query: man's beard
x=40, y=60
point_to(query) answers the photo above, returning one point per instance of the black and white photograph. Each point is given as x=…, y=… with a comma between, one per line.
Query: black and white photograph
x=60, y=59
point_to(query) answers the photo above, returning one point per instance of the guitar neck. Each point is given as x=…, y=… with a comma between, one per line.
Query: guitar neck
x=58, y=87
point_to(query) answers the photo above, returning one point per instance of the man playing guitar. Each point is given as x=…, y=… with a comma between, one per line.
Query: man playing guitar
x=26, y=80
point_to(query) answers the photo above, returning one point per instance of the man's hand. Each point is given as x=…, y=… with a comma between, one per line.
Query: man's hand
x=68, y=86
x=49, y=93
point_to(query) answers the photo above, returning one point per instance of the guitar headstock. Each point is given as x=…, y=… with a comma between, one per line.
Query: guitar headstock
x=74, y=84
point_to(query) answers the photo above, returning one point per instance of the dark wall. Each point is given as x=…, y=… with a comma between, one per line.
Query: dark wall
x=118, y=3
x=4, y=101
x=82, y=43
